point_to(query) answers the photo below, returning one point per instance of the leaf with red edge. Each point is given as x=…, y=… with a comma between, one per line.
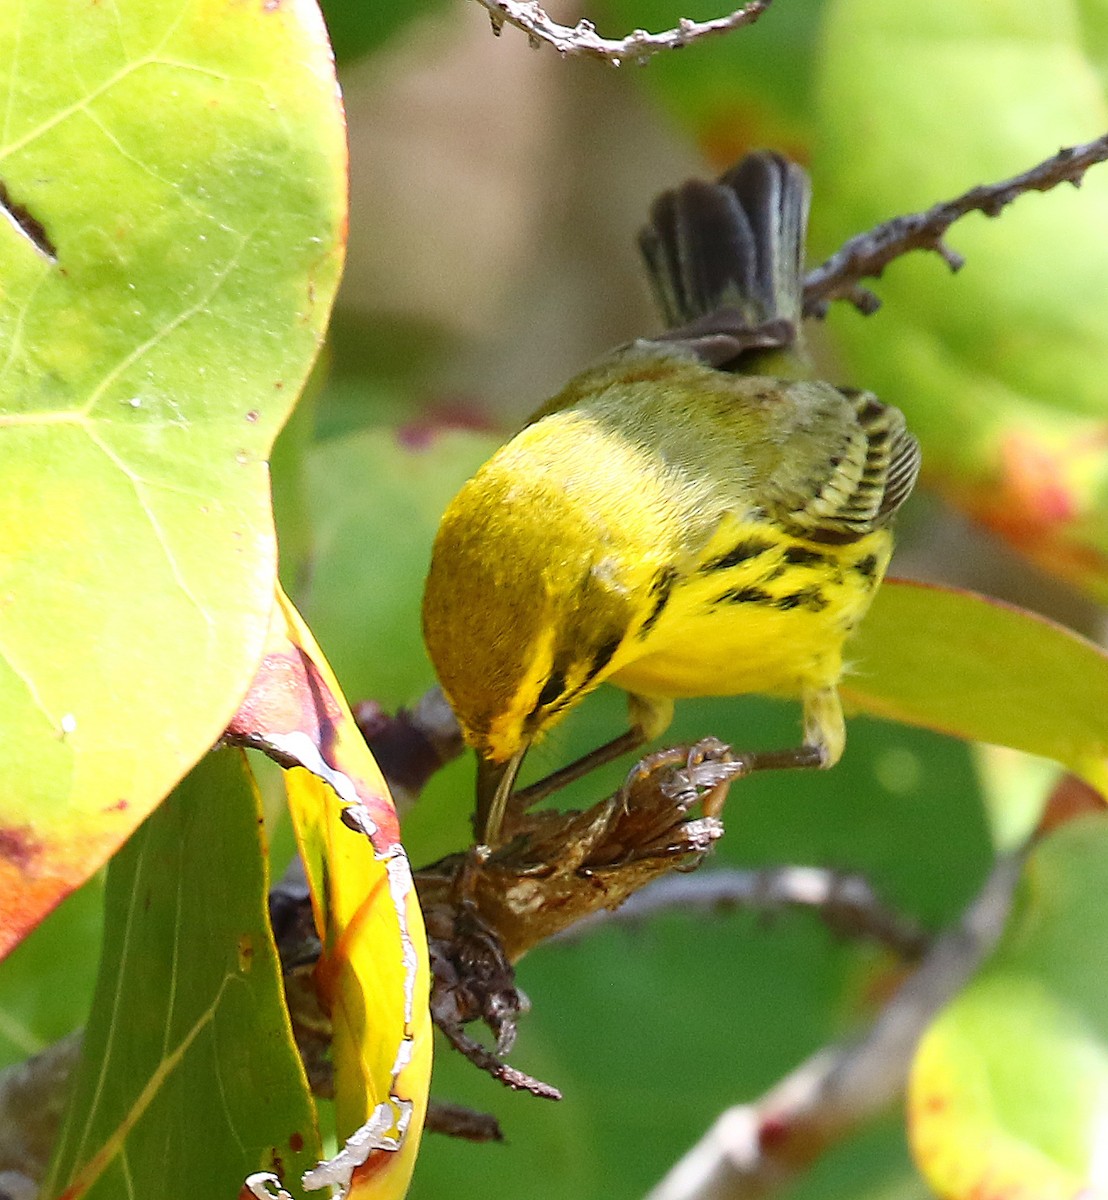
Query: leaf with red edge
x=984, y=671
x=373, y=975
x=172, y=188
x=1009, y=1090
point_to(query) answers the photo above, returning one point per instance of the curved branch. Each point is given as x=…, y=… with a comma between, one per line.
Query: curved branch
x=582, y=40
x=754, y=1151
x=846, y=903
x=868, y=254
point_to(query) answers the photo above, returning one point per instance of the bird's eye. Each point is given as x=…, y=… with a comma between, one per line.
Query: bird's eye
x=552, y=689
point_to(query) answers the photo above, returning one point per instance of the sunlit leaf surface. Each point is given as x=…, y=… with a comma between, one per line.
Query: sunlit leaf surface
x=173, y=175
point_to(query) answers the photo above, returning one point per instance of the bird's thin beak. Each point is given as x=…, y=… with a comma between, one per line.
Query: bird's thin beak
x=494, y=785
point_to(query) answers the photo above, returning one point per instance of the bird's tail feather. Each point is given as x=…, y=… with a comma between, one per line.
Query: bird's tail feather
x=731, y=253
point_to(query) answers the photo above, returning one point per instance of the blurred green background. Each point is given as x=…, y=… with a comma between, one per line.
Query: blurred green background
x=496, y=192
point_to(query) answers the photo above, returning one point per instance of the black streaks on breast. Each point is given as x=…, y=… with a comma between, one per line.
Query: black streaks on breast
x=661, y=588
x=744, y=551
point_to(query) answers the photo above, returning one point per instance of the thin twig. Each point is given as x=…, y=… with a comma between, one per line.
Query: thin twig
x=412, y=744
x=868, y=254
x=582, y=40
x=482, y=1057
x=846, y=903
x=754, y=1150
x=458, y=1121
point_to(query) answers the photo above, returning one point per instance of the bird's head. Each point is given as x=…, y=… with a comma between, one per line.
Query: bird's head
x=520, y=617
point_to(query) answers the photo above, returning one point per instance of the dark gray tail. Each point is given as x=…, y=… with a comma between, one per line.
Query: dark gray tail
x=729, y=255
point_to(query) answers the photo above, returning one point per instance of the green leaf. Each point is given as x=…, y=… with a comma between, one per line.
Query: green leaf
x=189, y=1079
x=1009, y=1095
x=183, y=165
x=384, y=489
x=997, y=368
x=983, y=671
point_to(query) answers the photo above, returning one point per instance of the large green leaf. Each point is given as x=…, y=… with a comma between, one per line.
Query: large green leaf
x=984, y=671
x=998, y=367
x=175, y=173
x=1010, y=1086
x=189, y=1079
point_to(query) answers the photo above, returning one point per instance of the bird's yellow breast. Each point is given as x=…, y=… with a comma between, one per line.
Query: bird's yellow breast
x=645, y=535
x=758, y=611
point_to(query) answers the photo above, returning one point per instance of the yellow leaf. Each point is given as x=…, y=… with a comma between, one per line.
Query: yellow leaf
x=373, y=976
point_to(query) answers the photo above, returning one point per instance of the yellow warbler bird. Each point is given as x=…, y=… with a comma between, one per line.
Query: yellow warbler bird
x=689, y=517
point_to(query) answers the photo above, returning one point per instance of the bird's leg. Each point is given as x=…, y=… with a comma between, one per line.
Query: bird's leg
x=824, y=727
x=496, y=797
x=650, y=718
x=824, y=737
x=627, y=741
x=803, y=757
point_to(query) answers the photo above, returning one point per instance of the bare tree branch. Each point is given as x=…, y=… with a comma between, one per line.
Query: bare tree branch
x=411, y=745
x=867, y=255
x=754, y=1151
x=458, y=1121
x=846, y=903
x=582, y=40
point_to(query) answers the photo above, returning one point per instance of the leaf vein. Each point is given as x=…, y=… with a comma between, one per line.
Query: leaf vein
x=185, y=200
x=9, y=102
x=140, y=485
x=170, y=326
x=15, y=343
x=115, y=1142
x=117, y=1000
x=24, y=676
